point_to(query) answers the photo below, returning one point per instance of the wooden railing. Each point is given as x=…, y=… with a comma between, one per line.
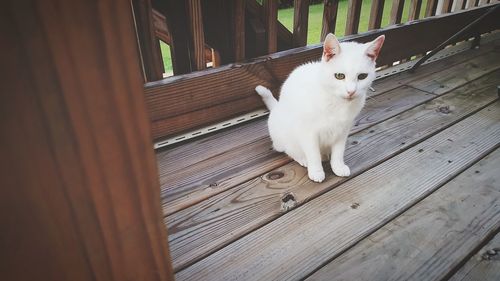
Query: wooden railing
x=242, y=30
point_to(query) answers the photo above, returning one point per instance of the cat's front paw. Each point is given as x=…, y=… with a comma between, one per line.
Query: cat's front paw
x=316, y=175
x=340, y=169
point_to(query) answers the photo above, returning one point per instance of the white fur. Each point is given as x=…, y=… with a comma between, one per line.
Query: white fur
x=315, y=113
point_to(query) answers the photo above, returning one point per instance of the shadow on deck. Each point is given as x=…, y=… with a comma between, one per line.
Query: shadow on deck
x=423, y=198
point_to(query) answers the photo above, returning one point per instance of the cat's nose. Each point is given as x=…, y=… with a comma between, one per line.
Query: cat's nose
x=350, y=94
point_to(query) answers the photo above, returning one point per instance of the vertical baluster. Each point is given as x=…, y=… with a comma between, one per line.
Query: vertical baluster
x=330, y=8
x=300, y=22
x=353, y=13
x=430, y=10
x=376, y=14
x=457, y=5
x=197, y=33
x=415, y=6
x=271, y=24
x=149, y=47
x=396, y=11
x=239, y=30
x=446, y=6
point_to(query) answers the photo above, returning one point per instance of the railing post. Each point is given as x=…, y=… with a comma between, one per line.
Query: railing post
x=300, y=22
x=330, y=8
x=376, y=14
x=197, y=34
x=271, y=24
x=79, y=192
x=396, y=11
x=353, y=13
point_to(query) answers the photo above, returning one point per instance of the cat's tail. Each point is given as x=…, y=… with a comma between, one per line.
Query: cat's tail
x=267, y=97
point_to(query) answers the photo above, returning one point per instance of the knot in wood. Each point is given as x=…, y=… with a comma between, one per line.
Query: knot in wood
x=288, y=201
x=275, y=175
x=443, y=109
x=492, y=254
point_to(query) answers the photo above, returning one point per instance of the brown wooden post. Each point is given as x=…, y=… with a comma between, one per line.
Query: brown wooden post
x=446, y=8
x=197, y=33
x=239, y=30
x=271, y=24
x=300, y=22
x=415, y=6
x=152, y=61
x=80, y=198
x=330, y=9
x=376, y=14
x=396, y=11
x=430, y=9
x=353, y=13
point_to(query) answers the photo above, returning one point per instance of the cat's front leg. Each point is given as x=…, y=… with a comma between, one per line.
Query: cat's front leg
x=337, y=158
x=310, y=146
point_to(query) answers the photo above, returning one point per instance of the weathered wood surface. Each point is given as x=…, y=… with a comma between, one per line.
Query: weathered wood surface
x=330, y=9
x=197, y=34
x=185, y=102
x=199, y=173
x=415, y=6
x=396, y=11
x=271, y=22
x=432, y=238
x=300, y=22
x=376, y=12
x=79, y=193
x=353, y=13
x=215, y=222
x=345, y=215
x=485, y=264
x=239, y=30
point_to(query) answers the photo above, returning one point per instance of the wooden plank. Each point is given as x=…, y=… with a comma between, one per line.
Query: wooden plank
x=343, y=216
x=414, y=13
x=300, y=22
x=239, y=30
x=396, y=11
x=176, y=15
x=271, y=23
x=188, y=180
x=330, y=9
x=353, y=13
x=484, y=265
x=446, y=6
x=232, y=214
x=197, y=33
x=189, y=93
x=433, y=237
x=149, y=47
x=189, y=153
x=80, y=196
x=376, y=12
x=430, y=9
x=457, y=5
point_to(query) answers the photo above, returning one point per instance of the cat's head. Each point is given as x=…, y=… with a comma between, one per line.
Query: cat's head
x=349, y=67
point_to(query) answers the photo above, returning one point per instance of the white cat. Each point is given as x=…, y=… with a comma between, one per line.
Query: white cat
x=318, y=104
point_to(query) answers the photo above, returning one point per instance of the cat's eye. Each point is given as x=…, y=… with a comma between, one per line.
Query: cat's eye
x=362, y=76
x=340, y=76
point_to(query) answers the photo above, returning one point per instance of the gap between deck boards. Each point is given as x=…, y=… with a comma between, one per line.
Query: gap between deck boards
x=292, y=246
x=200, y=178
x=218, y=209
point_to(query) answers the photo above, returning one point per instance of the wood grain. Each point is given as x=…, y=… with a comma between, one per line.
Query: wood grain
x=210, y=90
x=414, y=13
x=353, y=13
x=197, y=170
x=197, y=34
x=430, y=9
x=239, y=30
x=376, y=12
x=330, y=9
x=396, y=11
x=484, y=265
x=219, y=220
x=300, y=22
x=152, y=61
x=433, y=237
x=271, y=23
x=79, y=188
x=345, y=215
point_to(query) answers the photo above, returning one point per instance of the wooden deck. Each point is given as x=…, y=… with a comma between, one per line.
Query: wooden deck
x=423, y=201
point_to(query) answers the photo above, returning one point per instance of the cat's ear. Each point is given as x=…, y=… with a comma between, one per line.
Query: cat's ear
x=331, y=47
x=374, y=47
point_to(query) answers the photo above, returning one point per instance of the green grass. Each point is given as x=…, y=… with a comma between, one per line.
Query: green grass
x=285, y=16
